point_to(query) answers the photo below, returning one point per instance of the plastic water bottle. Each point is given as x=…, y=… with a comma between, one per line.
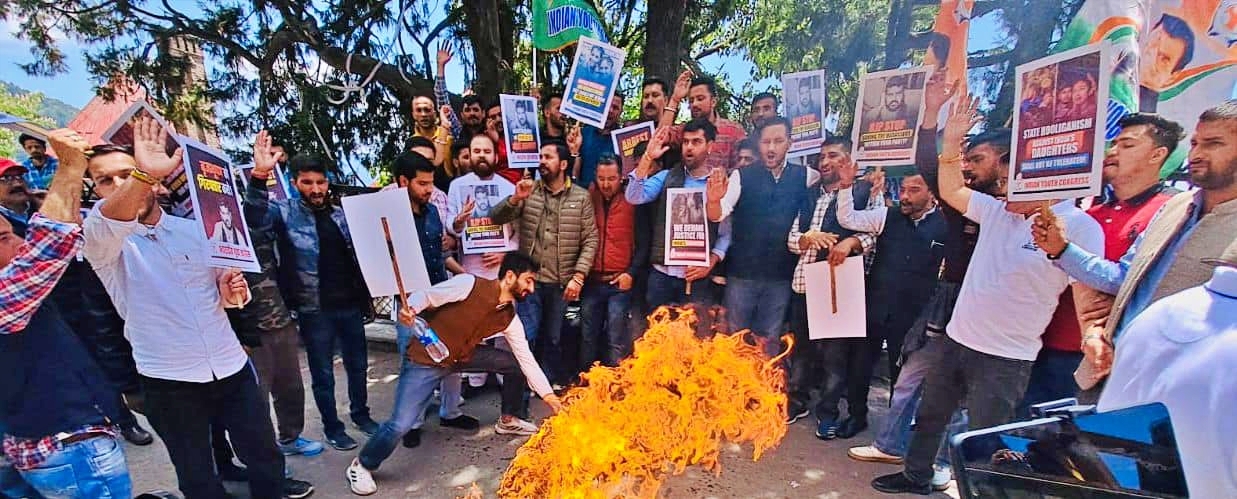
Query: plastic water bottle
x=436, y=349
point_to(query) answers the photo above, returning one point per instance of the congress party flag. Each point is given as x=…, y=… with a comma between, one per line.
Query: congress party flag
x=559, y=23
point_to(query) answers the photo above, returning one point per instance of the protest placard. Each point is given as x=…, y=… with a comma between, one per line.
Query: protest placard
x=1058, y=147
x=218, y=207
x=593, y=79
x=520, y=131
x=888, y=115
x=625, y=141
x=806, y=107
x=687, y=229
x=367, y=214
x=121, y=133
x=277, y=188
x=836, y=299
x=481, y=234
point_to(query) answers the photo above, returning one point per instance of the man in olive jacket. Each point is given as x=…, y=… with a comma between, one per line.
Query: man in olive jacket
x=557, y=230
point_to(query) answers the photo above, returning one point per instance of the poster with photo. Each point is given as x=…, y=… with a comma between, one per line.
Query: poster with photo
x=121, y=133
x=806, y=106
x=219, y=210
x=594, y=78
x=888, y=115
x=277, y=187
x=481, y=234
x=1058, y=150
x=625, y=141
x=520, y=131
x=687, y=229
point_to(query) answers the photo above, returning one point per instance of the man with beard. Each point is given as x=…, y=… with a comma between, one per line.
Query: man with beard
x=893, y=103
x=463, y=311
x=764, y=107
x=321, y=280
x=225, y=230
x=555, y=125
x=653, y=95
x=555, y=222
x=701, y=94
x=1167, y=257
x=463, y=208
x=806, y=103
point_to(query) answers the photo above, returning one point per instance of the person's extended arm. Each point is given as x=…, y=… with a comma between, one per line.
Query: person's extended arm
x=512, y=206
x=29, y=278
x=871, y=220
x=723, y=194
x=441, y=97
x=64, y=196
x=952, y=184
x=154, y=164
x=644, y=190
x=681, y=85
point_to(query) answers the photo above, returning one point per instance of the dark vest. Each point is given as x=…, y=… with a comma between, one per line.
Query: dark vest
x=861, y=193
x=762, y=219
x=48, y=383
x=907, y=262
x=463, y=324
x=675, y=178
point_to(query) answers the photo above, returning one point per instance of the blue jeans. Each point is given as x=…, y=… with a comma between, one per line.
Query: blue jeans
x=321, y=331
x=12, y=485
x=758, y=305
x=665, y=290
x=1052, y=378
x=893, y=435
x=91, y=469
x=449, y=405
x=550, y=308
x=604, y=332
x=416, y=385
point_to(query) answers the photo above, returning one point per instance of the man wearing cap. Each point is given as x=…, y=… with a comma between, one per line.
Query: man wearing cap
x=1182, y=352
x=16, y=203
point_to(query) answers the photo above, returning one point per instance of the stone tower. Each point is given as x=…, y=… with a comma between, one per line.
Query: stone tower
x=188, y=90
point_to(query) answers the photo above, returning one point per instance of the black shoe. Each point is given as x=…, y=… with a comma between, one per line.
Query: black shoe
x=296, y=489
x=412, y=438
x=463, y=422
x=229, y=472
x=137, y=435
x=367, y=426
x=795, y=411
x=341, y=441
x=898, y=483
x=851, y=427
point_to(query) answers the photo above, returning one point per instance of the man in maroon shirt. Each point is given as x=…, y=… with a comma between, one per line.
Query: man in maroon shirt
x=701, y=96
x=1131, y=167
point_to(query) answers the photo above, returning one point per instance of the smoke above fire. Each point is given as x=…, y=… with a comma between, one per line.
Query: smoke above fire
x=672, y=404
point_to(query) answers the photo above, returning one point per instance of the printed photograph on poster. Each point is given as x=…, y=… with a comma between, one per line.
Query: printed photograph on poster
x=687, y=229
x=806, y=107
x=888, y=115
x=121, y=133
x=276, y=186
x=625, y=141
x=481, y=234
x=219, y=207
x=521, y=131
x=836, y=298
x=592, y=82
x=366, y=214
x=1059, y=125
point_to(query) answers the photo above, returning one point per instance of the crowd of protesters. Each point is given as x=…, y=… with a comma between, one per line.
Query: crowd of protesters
x=979, y=307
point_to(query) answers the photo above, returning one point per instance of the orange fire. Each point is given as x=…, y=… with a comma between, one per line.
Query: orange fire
x=668, y=406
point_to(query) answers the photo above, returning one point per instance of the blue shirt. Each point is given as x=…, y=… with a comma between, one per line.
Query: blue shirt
x=594, y=143
x=40, y=178
x=429, y=233
x=1106, y=276
x=643, y=191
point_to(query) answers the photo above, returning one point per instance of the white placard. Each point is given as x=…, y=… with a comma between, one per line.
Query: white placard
x=849, y=318
x=365, y=213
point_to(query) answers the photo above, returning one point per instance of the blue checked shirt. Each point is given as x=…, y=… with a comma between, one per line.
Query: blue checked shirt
x=40, y=178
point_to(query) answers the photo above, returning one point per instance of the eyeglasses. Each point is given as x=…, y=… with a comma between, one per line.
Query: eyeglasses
x=12, y=179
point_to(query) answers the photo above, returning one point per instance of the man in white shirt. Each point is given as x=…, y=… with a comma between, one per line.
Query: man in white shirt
x=1182, y=352
x=194, y=372
x=463, y=311
x=463, y=206
x=1008, y=297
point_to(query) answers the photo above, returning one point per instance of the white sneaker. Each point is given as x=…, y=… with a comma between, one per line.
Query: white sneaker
x=359, y=479
x=941, y=476
x=515, y=426
x=870, y=454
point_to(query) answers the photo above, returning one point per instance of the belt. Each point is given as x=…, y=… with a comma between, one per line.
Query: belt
x=79, y=437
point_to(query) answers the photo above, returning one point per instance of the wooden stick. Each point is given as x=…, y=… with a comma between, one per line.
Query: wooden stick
x=399, y=280
x=833, y=286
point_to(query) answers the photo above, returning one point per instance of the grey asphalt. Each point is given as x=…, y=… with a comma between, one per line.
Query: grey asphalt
x=449, y=460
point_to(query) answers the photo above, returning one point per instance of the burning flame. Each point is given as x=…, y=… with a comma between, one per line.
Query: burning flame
x=668, y=406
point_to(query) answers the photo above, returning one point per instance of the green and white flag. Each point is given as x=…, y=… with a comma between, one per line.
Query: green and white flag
x=559, y=23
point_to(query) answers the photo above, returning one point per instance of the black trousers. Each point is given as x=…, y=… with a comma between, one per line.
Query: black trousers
x=182, y=413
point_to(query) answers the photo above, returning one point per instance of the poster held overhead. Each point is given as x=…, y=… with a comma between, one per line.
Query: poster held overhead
x=520, y=131
x=888, y=116
x=219, y=207
x=806, y=108
x=625, y=141
x=121, y=133
x=836, y=301
x=687, y=230
x=594, y=78
x=365, y=214
x=1058, y=146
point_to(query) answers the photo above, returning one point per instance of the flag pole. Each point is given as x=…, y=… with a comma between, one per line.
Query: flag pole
x=535, y=67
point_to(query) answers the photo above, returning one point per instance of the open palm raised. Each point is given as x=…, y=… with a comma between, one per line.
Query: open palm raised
x=150, y=150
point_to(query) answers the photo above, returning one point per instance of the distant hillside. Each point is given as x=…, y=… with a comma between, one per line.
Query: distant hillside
x=55, y=109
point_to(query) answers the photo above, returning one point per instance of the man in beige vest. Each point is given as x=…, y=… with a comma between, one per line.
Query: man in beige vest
x=1168, y=256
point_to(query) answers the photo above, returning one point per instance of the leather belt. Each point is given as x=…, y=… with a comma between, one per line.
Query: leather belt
x=79, y=437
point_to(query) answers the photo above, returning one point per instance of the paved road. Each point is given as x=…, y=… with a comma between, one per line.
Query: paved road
x=449, y=460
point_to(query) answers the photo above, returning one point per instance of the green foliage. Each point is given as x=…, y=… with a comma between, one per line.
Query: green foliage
x=56, y=110
x=25, y=105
